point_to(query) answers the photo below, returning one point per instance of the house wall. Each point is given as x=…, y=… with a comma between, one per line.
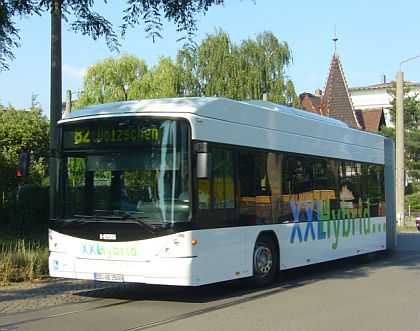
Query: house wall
x=377, y=97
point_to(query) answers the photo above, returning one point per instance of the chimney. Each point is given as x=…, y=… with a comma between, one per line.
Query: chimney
x=318, y=92
x=383, y=79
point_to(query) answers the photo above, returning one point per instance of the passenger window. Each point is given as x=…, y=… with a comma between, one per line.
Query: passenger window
x=247, y=194
x=223, y=180
x=204, y=194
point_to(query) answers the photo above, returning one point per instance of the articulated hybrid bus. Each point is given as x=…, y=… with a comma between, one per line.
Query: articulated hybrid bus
x=192, y=191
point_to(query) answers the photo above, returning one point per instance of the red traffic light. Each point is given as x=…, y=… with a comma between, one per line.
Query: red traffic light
x=23, y=165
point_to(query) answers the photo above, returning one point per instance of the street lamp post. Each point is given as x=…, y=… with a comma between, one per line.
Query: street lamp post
x=69, y=101
x=399, y=144
x=399, y=148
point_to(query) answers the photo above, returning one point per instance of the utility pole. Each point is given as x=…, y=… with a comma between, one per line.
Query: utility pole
x=399, y=149
x=55, y=104
x=68, y=102
x=399, y=146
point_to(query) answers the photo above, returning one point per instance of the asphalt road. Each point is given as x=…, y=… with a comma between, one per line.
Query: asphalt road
x=383, y=294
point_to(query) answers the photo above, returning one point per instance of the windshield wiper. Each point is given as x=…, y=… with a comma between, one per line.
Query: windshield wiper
x=121, y=216
x=126, y=215
x=97, y=217
x=81, y=219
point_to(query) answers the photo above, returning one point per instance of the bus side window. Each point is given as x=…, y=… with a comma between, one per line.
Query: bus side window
x=247, y=194
x=218, y=192
x=223, y=180
x=203, y=193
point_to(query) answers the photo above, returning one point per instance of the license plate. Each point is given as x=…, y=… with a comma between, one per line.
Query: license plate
x=109, y=277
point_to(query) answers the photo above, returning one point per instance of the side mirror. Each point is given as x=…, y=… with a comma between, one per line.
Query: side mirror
x=204, y=163
x=23, y=165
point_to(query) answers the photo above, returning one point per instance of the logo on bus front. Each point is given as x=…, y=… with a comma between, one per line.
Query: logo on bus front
x=109, y=251
x=107, y=236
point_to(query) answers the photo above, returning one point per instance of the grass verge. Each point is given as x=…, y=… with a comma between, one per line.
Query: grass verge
x=22, y=261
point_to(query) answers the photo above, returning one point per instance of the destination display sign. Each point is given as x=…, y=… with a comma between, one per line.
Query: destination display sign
x=113, y=133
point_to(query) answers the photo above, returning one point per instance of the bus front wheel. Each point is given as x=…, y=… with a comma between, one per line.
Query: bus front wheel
x=265, y=261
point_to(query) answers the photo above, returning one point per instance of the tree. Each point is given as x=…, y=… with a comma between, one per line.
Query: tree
x=186, y=63
x=262, y=66
x=9, y=34
x=246, y=71
x=113, y=79
x=411, y=143
x=21, y=129
x=161, y=81
x=215, y=67
x=88, y=22
x=412, y=132
x=128, y=78
x=23, y=201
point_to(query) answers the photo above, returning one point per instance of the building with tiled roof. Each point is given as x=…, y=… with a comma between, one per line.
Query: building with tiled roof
x=337, y=102
x=373, y=119
x=379, y=96
x=310, y=102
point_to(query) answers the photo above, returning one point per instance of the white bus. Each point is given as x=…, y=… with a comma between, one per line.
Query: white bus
x=192, y=191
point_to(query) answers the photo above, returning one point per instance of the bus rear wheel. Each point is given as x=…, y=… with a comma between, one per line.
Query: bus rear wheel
x=264, y=261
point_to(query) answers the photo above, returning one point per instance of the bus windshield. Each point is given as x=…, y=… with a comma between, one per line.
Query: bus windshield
x=127, y=167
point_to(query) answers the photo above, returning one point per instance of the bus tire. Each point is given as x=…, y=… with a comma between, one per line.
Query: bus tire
x=264, y=260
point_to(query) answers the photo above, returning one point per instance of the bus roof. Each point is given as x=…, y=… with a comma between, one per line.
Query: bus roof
x=201, y=106
x=259, y=124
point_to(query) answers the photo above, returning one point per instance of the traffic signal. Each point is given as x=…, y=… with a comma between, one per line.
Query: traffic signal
x=23, y=165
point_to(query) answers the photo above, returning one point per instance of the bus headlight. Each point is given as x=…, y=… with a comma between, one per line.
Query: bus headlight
x=177, y=247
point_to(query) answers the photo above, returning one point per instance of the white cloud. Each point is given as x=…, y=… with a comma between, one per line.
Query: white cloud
x=73, y=72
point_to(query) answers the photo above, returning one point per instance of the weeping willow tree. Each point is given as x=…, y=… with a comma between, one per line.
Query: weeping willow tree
x=216, y=67
x=113, y=79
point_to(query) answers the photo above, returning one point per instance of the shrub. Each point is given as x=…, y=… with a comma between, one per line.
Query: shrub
x=413, y=200
x=26, y=213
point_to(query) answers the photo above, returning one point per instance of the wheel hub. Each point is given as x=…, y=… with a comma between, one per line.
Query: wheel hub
x=263, y=260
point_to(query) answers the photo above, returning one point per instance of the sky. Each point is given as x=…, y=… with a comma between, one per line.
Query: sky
x=374, y=37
